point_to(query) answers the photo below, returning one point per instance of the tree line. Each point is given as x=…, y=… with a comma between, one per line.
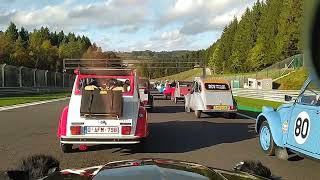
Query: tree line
x=267, y=33
x=43, y=49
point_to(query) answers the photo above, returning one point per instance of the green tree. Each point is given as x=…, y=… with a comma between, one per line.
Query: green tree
x=12, y=32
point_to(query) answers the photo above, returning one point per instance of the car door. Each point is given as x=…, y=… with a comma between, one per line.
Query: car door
x=303, y=133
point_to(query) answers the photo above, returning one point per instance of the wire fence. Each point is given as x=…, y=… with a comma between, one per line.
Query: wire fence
x=274, y=72
x=14, y=76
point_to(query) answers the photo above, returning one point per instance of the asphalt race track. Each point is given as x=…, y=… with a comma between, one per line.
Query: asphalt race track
x=214, y=141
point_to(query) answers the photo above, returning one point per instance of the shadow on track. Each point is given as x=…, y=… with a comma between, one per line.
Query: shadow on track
x=185, y=136
x=168, y=109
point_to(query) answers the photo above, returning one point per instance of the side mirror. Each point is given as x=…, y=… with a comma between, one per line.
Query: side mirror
x=287, y=98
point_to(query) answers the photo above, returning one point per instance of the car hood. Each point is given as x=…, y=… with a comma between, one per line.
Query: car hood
x=156, y=169
x=288, y=105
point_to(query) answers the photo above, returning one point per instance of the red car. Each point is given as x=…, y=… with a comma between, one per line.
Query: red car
x=169, y=90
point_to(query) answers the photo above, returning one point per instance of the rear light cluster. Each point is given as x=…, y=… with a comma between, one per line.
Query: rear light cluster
x=76, y=130
x=77, y=92
x=232, y=107
x=141, y=129
x=126, y=130
x=145, y=102
x=209, y=107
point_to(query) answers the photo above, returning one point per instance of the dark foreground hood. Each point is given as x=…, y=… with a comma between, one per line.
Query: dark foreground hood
x=155, y=169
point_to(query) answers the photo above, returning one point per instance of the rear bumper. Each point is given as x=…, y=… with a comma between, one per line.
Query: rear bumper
x=98, y=140
x=148, y=106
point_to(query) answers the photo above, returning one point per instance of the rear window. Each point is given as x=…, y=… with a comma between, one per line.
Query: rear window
x=185, y=84
x=216, y=86
x=104, y=84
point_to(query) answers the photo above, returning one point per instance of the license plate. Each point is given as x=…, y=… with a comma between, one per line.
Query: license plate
x=220, y=107
x=101, y=130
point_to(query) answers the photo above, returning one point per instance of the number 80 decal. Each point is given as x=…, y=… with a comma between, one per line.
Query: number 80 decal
x=302, y=128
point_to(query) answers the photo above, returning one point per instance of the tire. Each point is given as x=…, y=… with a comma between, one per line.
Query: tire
x=198, y=113
x=140, y=147
x=66, y=148
x=232, y=115
x=265, y=139
x=150, y=109
x=187, y=109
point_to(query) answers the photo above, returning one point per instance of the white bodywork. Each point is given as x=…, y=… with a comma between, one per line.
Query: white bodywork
x=200, y=99
x=130, y=116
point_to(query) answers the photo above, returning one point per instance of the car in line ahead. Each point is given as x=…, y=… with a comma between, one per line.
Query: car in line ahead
x=210, y=96
x=168, y=91
x=292, y=127
x=145, y=93
x=182, y=88
x=104, y=108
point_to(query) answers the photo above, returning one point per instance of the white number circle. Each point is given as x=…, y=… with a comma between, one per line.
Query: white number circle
x=302, y=127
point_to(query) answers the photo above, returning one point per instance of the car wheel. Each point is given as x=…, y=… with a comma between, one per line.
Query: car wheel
x=66, y=148
x=187, y=109
x=140, y=147
x=232, y=115
x=265, y=138
x=197, y=113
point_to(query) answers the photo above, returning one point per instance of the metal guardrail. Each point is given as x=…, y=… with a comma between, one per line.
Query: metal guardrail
x=271, y=95
x=16, y=91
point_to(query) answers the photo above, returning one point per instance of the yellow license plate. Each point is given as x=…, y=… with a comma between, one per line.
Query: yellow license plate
x=220, y=107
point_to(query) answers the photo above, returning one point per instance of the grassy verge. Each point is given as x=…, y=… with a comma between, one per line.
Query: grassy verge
x=294, y=80
x=8, y=101
x=254, y=105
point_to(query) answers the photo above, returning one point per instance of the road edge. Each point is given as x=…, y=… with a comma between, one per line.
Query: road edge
x=4, y=108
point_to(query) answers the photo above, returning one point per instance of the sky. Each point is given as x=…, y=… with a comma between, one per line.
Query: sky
x=129, y=25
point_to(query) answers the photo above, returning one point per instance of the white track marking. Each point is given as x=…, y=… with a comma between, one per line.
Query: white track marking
x=4, y=108
x=246, y=116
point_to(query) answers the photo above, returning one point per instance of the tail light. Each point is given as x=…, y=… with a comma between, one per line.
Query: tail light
x=141, y=130
x=232, y=107
x=77, y=91
x=75, y=130
x=126, y=130
x=209, y=107
x=145, y=102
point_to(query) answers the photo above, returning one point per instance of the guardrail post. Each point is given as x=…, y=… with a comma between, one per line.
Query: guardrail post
x=46, y=77
x=63, y=80
x=3, y=74
x=55, y=79
x=34, y=78
x=20, y=76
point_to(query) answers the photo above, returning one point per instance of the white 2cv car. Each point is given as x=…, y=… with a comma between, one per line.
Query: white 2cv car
x=210, y=96
x=104, y=109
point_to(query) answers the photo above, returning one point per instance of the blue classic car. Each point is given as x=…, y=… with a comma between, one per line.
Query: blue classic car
x=293, y=127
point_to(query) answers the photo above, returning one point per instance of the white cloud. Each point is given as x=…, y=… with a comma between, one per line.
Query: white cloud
x=197, y=16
